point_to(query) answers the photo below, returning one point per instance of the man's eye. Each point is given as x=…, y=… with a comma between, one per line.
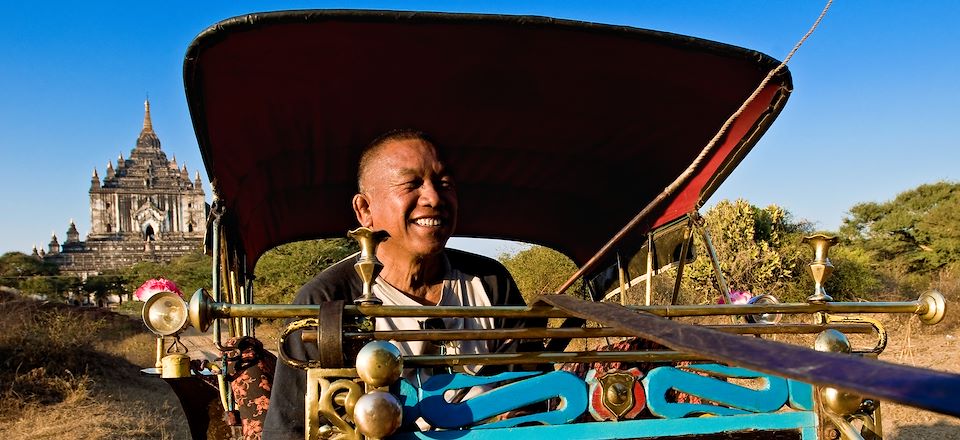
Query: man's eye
x=446, y=183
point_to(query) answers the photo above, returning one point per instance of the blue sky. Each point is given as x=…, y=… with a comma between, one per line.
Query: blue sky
x=874, y=111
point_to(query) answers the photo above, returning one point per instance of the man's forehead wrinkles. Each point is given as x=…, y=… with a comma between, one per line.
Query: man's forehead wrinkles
x=421, y=172
x=405, y=172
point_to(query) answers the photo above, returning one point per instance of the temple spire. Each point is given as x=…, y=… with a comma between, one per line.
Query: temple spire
x=148, y=140
x=147, y=123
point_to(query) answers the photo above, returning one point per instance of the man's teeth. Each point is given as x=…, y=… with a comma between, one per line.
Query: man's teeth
x=427, y=221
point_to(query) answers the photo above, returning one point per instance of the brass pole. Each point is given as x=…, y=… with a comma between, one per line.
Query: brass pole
x=712, y=253
x=217, y=275
x=648, y=299
x=225, y=310
x=159, y=351
x=541, y=333
x=234, y=293
x=622, y=275
x=684, y=250
x=547, y=357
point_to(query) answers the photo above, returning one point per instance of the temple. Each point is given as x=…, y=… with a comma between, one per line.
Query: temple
x=146, y=208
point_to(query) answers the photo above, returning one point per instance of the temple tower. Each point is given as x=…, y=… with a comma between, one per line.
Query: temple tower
x=145, y=208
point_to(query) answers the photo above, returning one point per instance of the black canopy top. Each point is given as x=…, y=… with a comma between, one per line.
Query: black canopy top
x=558, y=132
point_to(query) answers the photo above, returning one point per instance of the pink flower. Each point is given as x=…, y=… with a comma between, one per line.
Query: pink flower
x=154, y=286
x=737, y=297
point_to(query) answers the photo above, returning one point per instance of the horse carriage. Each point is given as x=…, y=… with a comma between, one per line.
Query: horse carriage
x=598, y=141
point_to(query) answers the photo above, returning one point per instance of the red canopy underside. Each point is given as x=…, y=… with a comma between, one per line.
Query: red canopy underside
x=557, y=132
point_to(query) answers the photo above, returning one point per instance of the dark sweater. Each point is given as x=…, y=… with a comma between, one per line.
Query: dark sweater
x=285, y=417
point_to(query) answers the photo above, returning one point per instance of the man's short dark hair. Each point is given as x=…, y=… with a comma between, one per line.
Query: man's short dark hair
x=371, y=150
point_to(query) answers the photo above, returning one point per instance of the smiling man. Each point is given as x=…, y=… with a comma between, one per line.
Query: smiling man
x=406, y=190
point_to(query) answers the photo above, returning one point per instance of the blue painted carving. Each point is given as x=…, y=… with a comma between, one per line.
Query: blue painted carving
x=525, y=388
x=801, y=395
x=730, y=399
x=407, y=394
x=803, y=422
x=755, y=407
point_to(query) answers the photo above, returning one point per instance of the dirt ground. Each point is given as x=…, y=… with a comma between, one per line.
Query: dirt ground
x=928, y=348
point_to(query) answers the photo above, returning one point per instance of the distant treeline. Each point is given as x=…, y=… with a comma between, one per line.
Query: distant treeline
x=887, y=250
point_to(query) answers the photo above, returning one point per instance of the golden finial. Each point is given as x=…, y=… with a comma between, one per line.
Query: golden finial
x=368, y=266
x=821, y=267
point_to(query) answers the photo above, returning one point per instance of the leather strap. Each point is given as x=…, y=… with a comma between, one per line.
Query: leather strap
x=331, y=334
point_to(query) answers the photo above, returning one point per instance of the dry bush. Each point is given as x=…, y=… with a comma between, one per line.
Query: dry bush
x=947, y=282
x=72, y=373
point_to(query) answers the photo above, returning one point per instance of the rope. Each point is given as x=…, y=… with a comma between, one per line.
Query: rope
x=688, y=173
x=766, y=80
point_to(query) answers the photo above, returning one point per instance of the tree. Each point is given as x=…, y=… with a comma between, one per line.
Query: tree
x=539, y=270
x=854, y=275
x=102, y=286
x=191, y=272
x=15, y=267
x=282, y=270
x=758, y=249
x=908, y=240
x=918, y=231
x=51, y=286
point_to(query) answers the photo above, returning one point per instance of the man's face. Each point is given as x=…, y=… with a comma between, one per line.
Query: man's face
x=409, y=194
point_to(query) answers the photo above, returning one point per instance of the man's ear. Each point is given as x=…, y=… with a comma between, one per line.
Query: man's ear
x=361, y=207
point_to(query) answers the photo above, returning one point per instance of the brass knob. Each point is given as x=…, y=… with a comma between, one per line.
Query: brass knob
x=377, y=414
x=379, y=364
x=933, y=307
x=836, y=401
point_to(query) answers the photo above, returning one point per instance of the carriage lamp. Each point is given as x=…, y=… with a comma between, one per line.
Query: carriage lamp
x=165, y=314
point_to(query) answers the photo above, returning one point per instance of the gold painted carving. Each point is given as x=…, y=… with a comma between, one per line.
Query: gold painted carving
x=333, y=400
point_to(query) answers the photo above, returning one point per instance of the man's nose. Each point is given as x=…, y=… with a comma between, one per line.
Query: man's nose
x=429, y=196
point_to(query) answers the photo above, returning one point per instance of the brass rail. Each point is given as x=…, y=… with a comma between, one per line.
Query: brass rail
x=547, y=357
x=539, y=332
x=203, y=310
x=915, y=307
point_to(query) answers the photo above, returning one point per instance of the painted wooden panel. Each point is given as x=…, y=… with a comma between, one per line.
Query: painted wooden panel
x=803, y=422
x=773, y=403
x=731, y=398
x=525, y=388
